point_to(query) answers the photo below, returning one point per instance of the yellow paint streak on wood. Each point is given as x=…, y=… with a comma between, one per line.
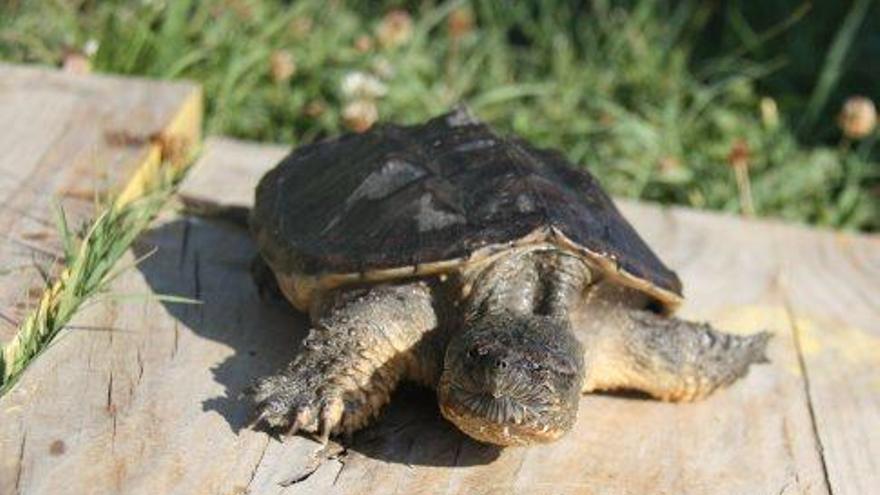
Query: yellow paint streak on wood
x=849, y=343
x=817, y=334
x=744, y=320
x=170, y=147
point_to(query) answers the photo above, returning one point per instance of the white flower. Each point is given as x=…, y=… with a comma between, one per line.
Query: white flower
x=362, y=85
x=90, y=48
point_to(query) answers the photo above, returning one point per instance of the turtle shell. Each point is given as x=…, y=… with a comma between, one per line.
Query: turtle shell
x=404, y=201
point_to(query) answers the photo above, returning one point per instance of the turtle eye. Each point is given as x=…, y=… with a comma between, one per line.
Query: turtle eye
x=473, y=353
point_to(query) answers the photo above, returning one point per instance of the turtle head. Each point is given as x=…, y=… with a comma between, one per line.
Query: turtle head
x=511, y=379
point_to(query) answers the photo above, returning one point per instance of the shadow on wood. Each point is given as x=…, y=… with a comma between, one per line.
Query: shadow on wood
x=152, y=408
x=209, y=260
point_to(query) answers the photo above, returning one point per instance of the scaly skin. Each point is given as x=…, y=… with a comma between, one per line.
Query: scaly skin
x=669, y=358
x=527, y=303
x=361, y=344
x=537, y=327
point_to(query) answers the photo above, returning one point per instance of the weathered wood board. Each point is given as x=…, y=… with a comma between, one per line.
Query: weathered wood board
x=69, y=139
x=140, y=396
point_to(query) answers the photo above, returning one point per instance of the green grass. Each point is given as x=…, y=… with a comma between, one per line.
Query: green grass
x=644, y=94
x=90, y=266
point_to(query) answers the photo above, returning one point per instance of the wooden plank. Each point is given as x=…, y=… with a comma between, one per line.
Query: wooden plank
x=825, y=290
x=832, y=289
x=71, y=138
x=822, y=286
x=141, y=397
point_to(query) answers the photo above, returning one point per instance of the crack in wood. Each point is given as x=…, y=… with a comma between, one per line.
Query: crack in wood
x=111, y=410
x=788, y=446
x=140, y=363
x=342, y=463
x=197, y=282
x=176, y=343
x=802, y=365
x=184, y=242
x=257, y=465
x=20, y=465
x=110, y=393
x=330, y=451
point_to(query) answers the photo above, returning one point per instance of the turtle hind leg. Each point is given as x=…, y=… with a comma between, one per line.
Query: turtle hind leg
x=362, y=343
x=669, y=358
x=265, y=281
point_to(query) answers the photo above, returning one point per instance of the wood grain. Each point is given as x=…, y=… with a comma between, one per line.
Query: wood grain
x=140, y=396
x=70, y=139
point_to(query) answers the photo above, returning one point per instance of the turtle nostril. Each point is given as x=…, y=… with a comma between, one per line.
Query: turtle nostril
x=500, y=364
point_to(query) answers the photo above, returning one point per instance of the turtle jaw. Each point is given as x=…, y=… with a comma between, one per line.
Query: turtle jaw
x=503, y=421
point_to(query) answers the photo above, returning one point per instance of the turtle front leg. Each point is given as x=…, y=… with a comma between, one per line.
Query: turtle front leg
x=669, y=358
x=361, y=345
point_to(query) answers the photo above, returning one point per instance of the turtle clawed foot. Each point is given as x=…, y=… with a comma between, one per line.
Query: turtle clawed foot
x=283, y=406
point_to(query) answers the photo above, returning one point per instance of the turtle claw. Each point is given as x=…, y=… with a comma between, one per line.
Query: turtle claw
x=289, y=407
x=300, y=422
x=294, y=428
x=258, y=418
x=324, y=437
x=331, y=416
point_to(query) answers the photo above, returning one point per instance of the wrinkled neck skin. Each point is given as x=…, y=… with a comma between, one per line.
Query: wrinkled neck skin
x=512, y=374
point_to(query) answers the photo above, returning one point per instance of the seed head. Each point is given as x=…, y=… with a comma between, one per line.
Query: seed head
x=739, y=154
x=395, y=29
x=363, y=43
x=314, y=109
x=460, y=22
x=669, y=165
x=282, y=66
x=76, y=63
x=858, y=117
x=301, y=26
x=360, y=115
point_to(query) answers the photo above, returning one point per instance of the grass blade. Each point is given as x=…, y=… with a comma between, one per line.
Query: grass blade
x=834, y=61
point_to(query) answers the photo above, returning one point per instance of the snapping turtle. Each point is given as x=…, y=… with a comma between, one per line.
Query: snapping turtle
x=474, y=263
